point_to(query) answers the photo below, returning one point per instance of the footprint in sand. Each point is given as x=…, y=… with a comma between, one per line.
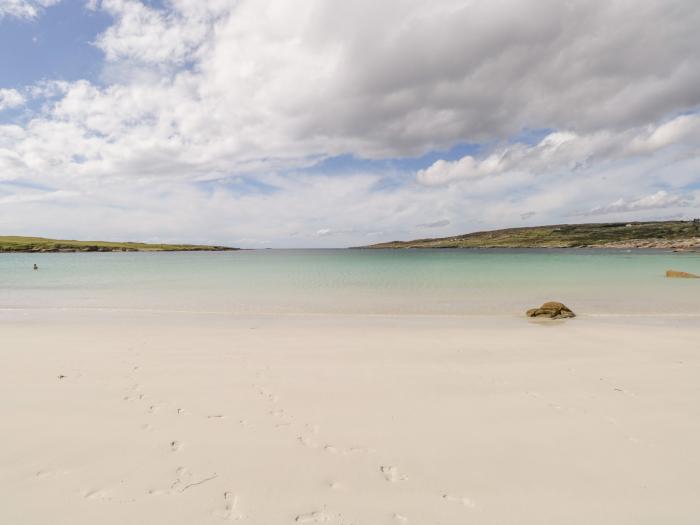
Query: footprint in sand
x=98, y=495
x=268, y=395
x=133, y=394
x=185, y=480
x=308, y=439
x=466, y=502
x=392, y=474
x=312, y=517
x=104, y=495
x=279, y=414
x=307, y=442
x=331, y=449
x=230, y=511
x=400, y=518
x=175, y=446
x=44, y=474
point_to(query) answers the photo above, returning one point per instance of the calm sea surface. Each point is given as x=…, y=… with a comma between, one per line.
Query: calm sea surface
x=458, y=282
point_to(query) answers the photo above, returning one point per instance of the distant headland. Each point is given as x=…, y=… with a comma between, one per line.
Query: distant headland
x=40, y=244
x=675, y=235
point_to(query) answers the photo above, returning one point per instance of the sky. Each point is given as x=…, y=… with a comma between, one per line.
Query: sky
x=327, y=123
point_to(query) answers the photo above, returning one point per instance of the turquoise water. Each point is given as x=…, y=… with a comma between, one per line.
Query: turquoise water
x=459, y=282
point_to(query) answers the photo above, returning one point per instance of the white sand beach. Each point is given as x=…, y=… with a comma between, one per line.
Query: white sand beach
x=266, y=262
x=166, y=418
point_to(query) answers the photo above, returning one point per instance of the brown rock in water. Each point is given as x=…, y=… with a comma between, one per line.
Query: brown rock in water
x=552, y=310
x=681, y=275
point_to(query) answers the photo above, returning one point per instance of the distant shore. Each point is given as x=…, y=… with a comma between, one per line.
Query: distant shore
x=670, y=235
x=15, y=244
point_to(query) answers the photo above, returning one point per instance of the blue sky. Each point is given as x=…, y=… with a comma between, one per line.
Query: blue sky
x=58, y=45
x=332, y=124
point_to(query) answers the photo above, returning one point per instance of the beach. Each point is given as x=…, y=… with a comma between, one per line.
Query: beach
x=134, y=414
x=186, y=418
x=349, y=263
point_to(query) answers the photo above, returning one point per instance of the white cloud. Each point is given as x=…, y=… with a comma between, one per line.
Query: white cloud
x=213, y=89
x=24, y=8
x=436, y=224
x=659, y=200
x=315, y=211
x=271, y=82
x=568, y=151
x=155, y=36
x=10, y=98
x=325, y=232
x=36, y=196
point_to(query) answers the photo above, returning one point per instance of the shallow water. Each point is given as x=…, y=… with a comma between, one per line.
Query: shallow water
x=440, y=282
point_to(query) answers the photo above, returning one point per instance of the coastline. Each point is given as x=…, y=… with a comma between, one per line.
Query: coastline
x=623, y=235
x=684, y=245
x=19, y=244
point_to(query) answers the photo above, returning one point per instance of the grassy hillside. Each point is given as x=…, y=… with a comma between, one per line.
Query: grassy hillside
x=39, y=244
x=667, y=234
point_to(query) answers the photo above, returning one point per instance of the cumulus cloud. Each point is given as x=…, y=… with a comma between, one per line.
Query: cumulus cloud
x=195, y=91
x=10, y=98
x=24, y=8
x=373, y=78
x=272, y=82
x=569, y=151
x=157, y=36
x=659, y=200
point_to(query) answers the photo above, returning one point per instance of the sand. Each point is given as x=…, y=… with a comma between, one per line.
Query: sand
x=174, y=418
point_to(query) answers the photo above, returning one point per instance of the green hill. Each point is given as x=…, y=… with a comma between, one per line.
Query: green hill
x=666, y=234
x=39, y=244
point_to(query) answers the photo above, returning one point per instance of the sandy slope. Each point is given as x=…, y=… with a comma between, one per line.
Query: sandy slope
x=196, y=419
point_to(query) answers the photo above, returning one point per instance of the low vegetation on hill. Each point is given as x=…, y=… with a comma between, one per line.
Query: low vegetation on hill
x=39, y=244
x=665, y=234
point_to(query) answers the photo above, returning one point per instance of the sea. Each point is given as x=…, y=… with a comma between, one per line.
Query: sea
x=457, y=282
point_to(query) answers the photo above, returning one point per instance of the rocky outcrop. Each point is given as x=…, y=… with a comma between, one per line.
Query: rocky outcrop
x=551, y=310
x=681, y=275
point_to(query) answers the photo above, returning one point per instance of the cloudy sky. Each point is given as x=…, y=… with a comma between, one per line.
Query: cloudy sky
x=279, y=123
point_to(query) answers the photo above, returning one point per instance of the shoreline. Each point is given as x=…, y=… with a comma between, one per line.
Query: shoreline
x=680, y=248
x=360, y=315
